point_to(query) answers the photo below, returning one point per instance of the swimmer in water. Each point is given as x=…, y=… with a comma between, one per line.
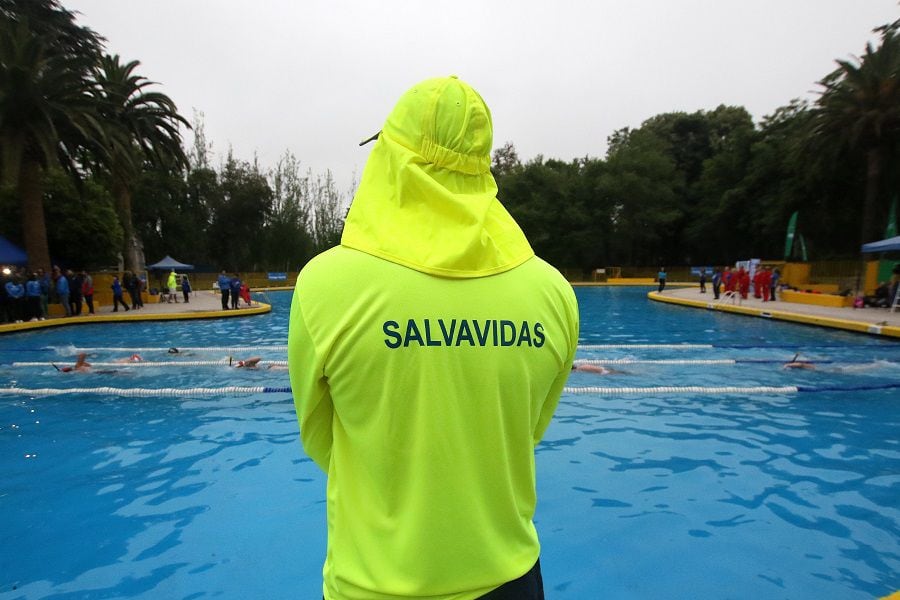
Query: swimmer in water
x=131, y=359
x=250, y=363
x=81, y=365
x=597, y=369
x=798, y=364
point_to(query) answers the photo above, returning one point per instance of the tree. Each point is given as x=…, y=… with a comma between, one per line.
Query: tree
x=48, y=105
x=239, y=215
x=287, y=232
x=144, y=127
x=859, y=108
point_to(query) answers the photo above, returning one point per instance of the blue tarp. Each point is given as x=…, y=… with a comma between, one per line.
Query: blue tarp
x=10, y=254
x=888, y=245
x=168, y=264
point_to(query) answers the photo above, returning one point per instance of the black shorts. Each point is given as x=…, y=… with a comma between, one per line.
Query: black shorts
x=529, y=586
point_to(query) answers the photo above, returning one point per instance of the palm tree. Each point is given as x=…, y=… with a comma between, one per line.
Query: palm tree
x=142, y=126
x=48, y=104
x=859, y=109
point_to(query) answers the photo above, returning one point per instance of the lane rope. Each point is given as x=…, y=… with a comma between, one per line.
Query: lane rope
x=172, y=363
x=225, y=349
x=147, y=392
x=283, y=348
x=888, y=346
x=580, y=361
x=595, y=390
x=698, y=361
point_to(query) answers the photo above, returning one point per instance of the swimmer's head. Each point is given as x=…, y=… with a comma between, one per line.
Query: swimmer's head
x=173, y=350
x=135, y=358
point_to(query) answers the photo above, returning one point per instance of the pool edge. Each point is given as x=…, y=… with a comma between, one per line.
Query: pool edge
x=263, y=308
x=806, y=319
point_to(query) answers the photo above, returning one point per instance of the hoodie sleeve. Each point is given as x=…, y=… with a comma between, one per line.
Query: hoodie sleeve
x=552, y=399
x=309, y=387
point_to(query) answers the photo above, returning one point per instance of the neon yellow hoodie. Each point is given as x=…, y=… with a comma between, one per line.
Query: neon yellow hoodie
x=427, y=354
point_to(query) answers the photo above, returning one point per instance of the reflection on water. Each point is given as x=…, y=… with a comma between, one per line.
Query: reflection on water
x=640, y=496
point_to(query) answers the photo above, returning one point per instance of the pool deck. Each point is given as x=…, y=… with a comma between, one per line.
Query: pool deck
x=204, y=304
x=874, y=321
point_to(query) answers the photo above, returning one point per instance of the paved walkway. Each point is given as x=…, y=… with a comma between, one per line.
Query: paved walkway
x=203, y=305
x=879, y=321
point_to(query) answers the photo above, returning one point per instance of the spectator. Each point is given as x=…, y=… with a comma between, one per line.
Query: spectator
x=117, y=295
x=62, y=290
x=44, y=279
x=4, y=298
x=130, y=282
x=661, y=277
x=225, y=289
x=140, y=285
x=75, y=296
x=33, y=299
x=15, y=293
x=235, y=290
x=185, y=288
x=773, y=284
x=87, y=290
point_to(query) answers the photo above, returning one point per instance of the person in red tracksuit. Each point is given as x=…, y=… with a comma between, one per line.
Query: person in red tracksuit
x=765, y=279
x=757, y=278
x=743, y=278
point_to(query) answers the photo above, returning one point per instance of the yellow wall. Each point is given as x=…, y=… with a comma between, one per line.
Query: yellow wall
x=817, y=299
x=795, y=274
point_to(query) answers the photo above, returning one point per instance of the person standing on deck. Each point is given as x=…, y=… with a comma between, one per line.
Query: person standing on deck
x=716, y=283
x=661, y=277
x=224, y=282
x=235, y=290
x=62, y=290
x=87, y=290
x=186, y=288
x=427, y=355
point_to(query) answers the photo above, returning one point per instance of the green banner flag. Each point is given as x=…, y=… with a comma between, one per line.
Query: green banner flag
x=891, y=229
x=789, y=241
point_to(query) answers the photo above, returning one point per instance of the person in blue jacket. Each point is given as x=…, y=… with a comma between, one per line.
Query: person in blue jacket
x=117, y=295
x=33, y=299
x=15, y=292
x=186, y=288
x=62, y=290
x=235, y=291
x=225, y=288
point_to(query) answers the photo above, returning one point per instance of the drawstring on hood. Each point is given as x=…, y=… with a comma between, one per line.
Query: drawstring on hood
x=427, y=199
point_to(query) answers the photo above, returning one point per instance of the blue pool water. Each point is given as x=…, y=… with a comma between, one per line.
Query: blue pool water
x=665, y=495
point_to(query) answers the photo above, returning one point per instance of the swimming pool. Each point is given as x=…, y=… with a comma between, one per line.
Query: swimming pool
x=683, y=495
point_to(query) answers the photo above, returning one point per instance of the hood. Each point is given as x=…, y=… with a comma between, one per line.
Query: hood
x=427, y=199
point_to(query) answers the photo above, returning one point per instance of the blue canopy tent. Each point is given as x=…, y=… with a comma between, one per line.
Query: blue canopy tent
x=169, y=264
x=888, y=245
x=10, y=254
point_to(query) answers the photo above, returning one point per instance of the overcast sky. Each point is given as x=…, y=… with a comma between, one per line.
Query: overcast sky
x=317, y=76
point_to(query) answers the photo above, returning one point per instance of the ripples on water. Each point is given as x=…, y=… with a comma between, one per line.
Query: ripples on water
x=674, y=496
